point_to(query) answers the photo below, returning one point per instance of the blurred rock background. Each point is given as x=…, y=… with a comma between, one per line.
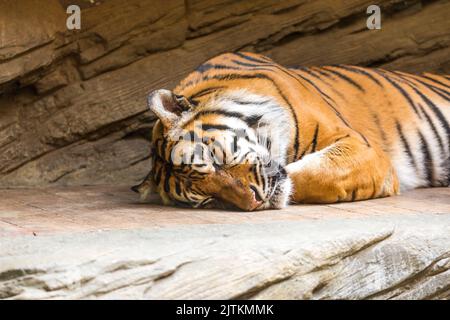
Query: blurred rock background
x=72, y=102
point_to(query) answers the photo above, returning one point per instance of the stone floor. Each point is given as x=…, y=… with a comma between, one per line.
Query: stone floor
x=84, y=209
x=101, y=242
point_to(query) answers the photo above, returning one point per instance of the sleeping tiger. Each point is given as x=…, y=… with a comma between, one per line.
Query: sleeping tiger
x=242, y=131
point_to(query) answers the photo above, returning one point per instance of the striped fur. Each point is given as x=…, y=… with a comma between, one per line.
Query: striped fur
x=245, y=132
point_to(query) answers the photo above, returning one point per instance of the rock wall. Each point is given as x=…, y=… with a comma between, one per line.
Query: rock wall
x=72, y=103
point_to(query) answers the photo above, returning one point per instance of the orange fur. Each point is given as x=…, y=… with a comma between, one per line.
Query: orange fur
x=356, y=133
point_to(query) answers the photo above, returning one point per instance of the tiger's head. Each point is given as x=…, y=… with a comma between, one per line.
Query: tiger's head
x=225, y=152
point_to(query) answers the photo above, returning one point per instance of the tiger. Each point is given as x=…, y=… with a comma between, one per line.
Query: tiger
x=244, y=132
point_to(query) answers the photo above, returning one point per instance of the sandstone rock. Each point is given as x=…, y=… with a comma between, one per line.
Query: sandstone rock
x=28, y=30
x=65, y=90
x=393, y=257
x=27, y=25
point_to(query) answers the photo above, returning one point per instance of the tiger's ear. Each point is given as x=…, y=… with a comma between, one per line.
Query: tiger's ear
x=167, y=106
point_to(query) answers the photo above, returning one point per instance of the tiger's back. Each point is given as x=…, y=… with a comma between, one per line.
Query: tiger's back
x=344, y=133
x=406, y=115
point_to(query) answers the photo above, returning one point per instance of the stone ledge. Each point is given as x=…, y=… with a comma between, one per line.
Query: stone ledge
x=389, y=248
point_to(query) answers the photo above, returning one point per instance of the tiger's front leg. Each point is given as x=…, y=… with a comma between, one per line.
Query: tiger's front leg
x=347, y=170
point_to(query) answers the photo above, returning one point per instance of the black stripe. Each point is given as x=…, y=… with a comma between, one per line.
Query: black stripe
x=435, y=81
x=199, y=165
x=267, y=78
x=303, y=153
x=249, y=120
x=314, y=140
x=359, y=71
x=208, y=66
x=313, y=143
x=428, y=161
x=253, y=120
x=259, y=181
x=185, y=195
x=323, y=94
x=437, y=112
x=378, y=124
x=266, y=65
x=250, y=65
x=354, y=194
x=163, y=149
x=265, y=183
x=205, y=92
x=401, y=90
x=209, y=126
x=247, y=57
x=250, y=102
x=340, y=138
x=235, y=147
x=256, y=174
x=320, y=71
x=268, y=143
x=345, y=78
x=177, y=187
x=438, y=91
x=405, y=144
x=166, y=180
x=328, y=76
x=433, y=128
x=254, y=67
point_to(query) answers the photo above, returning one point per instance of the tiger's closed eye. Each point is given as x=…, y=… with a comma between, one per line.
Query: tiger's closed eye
x=204, y=203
